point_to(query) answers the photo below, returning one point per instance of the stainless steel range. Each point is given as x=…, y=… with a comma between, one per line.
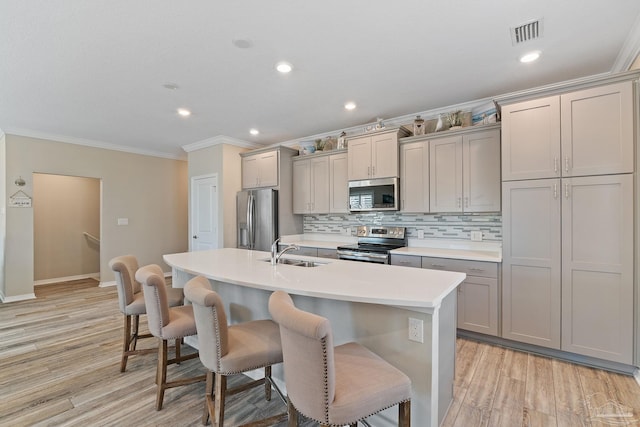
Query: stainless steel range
x=374, y=244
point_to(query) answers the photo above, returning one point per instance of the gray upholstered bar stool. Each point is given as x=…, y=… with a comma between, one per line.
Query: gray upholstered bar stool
x=333, y=386
x=227, y=350
x=166, y=323
x=131, y=301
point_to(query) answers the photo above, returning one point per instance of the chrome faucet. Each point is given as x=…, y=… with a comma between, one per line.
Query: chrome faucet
x=275, y=255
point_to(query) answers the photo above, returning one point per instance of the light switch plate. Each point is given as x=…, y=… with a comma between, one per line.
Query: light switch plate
x=123, y=221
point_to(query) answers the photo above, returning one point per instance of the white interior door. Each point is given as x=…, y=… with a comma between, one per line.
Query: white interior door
x=204, y=213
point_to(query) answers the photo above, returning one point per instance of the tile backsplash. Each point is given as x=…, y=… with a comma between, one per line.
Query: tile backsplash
x=434, y=226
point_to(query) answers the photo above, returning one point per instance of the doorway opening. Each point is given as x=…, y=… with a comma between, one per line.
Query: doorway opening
x=66, y=228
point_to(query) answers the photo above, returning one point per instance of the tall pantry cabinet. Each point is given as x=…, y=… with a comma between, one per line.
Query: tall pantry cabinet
x=568, y=221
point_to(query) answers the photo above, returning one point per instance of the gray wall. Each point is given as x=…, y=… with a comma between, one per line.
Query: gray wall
x=150, y=191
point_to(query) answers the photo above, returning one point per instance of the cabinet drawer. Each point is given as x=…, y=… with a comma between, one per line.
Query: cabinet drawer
x=406, y=260
x=327, y=253
x=471, y=268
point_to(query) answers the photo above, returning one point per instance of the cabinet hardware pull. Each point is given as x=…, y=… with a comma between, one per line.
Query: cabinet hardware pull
x=555, y=191
x=195, y=237
x=476, y=269
x=566, y=164
x=555, y=165
x=437, y=265
x=566, y=191
x=459, y=202
x=368, y=170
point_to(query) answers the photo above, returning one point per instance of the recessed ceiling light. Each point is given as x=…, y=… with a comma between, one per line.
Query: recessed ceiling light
x=530, y=57
x=350, y=105
x=184, y=112
x=171, y=86
x=284, y=67
x=254, y=131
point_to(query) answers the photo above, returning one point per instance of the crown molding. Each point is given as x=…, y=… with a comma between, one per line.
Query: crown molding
x=217, y=140
x=630, y=49
x=90, y=143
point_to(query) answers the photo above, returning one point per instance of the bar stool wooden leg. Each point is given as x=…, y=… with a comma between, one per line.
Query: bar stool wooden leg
x=404, y=414
x=125, y=346
x=220, y=391
x=292, y=413
x=208, y=400
x=161, y=373
x=267, y=383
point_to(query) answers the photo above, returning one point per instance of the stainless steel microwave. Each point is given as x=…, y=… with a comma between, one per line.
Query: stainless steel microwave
x=374, y=195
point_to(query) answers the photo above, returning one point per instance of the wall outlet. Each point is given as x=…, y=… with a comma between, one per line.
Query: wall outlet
x=476, y=236
x=416, y=330
x=123, y=221
x=420, y=234
x=347, y=231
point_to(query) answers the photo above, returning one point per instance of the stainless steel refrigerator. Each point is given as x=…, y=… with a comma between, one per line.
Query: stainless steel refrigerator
x=257, y=218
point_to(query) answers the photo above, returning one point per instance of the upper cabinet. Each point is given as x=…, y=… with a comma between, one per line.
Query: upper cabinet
x=260, y=169
x=587, y=132
x=414, y=176
x=320, y=183
x=375, y=155
x=464, y=171
x=311, y=185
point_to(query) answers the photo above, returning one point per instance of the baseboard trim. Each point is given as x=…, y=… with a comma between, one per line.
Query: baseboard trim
x=16, y=298
x=66, y=279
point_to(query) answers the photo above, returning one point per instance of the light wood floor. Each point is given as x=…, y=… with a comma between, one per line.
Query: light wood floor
x=59, y=366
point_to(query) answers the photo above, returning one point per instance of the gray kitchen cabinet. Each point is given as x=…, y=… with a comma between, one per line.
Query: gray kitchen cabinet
x=465, y=172
x=338, y=183
x=531, y=139
x=414, y=177
x=327, y=253
x=597, y=267
x=445, y=173
x=260, y=169
x=586, y=132
x=531, y=253
x=374, y=156
x=597, y=130
x=311, y=185
x=568, y=264
x=478, y=294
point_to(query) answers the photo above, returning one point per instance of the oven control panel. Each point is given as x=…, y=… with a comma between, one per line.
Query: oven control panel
x=380, y=231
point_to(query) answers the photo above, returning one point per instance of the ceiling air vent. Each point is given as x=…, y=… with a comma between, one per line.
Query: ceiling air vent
x=528, y=31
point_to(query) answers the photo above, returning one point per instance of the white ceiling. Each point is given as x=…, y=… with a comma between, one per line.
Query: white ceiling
x=93, y=71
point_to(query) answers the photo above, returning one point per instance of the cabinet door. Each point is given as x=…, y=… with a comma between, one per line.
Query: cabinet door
x=531, y=262
x=478, y=305
x=320, y=185
x=597, y=267
x=338, y=184
x=359, y=150
x=597, y=130
x=384, y=155
x=327, y=253
x=250, y=172
x=445, y=174
x=268, y=169
x=414, y=180
x=481, y=171
x=301, y=187
x=531, y=139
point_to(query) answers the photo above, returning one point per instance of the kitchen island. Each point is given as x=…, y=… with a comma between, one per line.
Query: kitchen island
x=367, y=303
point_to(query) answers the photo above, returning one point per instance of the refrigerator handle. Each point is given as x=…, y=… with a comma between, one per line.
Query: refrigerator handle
x=251, y=221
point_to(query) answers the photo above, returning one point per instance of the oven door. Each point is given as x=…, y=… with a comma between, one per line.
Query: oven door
x=378, y=258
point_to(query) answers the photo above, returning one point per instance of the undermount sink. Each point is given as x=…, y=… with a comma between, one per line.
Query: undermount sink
x=296, y=262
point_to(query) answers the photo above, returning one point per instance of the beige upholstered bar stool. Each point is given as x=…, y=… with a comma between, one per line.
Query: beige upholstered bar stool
x=166, y=323
x=333, y=386
x=131, y=301
x=227, y=350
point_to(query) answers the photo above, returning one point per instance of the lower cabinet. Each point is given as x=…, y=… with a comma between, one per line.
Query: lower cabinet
x=477, y=295
x=309, y=251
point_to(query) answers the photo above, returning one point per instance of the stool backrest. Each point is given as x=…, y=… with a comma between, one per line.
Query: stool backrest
x=211, y=322
x=125, y=268
x=307, y=350
x=155, y=298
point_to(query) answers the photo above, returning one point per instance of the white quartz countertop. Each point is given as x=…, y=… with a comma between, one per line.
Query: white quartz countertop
x=334, y=279
x=453, y=253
